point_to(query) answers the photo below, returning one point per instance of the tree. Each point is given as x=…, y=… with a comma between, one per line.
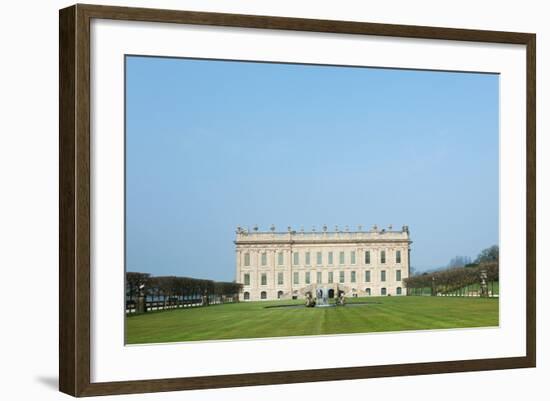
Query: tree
x=488, y=255
x=459, y=261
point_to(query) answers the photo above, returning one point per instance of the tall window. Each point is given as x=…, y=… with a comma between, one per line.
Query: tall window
x=342, y=277
x=352, y=257
x=367, y=257
x=330, y=277
x=296, y=256
x=247, y=259
x=280, y=278
x=263, y=295
x=280, y=258
x=319, y=258
x=330, y=258
x=308, y=258
x=382, y=256
x=398, y=275
x=383, y=291
x=264, y=258
x=367, y=276
x=264, y=279
x=342, y=256
x=353, y=279
x=397, y=256
x=247, y=279
x=319, y=277
x=308, y=277
x=367, y=290
x=296, y=278
x=382, y=275
x=246, y=295
x=398, y=291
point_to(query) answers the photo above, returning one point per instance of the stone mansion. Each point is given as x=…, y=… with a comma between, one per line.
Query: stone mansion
x=287, y=265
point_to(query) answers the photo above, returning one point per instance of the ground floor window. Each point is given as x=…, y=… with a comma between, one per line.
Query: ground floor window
x=383, y=291
x=398, y=291
x=367, y=291
x=246, y=296
x=279, y=294
x=263, y=295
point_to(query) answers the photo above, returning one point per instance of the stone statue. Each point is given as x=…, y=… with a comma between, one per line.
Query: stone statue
x=310, y=301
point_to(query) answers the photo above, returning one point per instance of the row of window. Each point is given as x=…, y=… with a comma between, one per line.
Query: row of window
x=319, y=258
x=319, y=277
x=383, y=291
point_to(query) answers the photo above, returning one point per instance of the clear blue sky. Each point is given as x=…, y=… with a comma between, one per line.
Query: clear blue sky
x=211, y=145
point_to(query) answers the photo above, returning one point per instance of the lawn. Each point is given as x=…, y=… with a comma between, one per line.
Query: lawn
x=254, y=320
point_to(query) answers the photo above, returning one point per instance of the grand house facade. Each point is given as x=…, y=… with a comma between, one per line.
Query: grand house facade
x=287, y=265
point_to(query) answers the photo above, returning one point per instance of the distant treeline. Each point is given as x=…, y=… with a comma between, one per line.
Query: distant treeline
x=453, y=280
x=165, y=292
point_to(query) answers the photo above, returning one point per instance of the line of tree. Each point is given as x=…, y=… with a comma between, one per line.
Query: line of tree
x=452, y=280
x=460, y=274
x=172, y=291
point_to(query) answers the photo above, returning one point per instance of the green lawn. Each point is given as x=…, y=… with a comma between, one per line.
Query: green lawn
x=253, y=320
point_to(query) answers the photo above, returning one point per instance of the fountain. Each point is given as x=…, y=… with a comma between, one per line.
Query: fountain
x=322, y=297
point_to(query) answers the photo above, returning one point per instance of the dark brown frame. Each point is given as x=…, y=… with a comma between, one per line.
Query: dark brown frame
x=74, y=199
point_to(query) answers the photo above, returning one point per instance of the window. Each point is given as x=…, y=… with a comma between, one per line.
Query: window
x=319, y=277
x=308, y=277
x=296, y=278
x=353, y=279
x=280, y=258
x=382, y=256
x=352, y=257
x=383, y=291
x=264, y=258
x=280, y=278
x=342, y=257
x=296, y=258
x=263, y=279
x=279, y=294
x=342, y=277
x=330, y=258
x=330, y=277
x=398, y=291
x=263, y=295
x=246, y=295
x=319, y=258
x=367, y=257
x=382, y=275
x=367, y=291
x=247, y=259
x=308, y=258
x=398, y=275
x=247, y=279
x=367, y=276
x=397, y=256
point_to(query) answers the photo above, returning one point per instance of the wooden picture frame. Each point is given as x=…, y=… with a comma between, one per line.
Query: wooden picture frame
x=74, y=199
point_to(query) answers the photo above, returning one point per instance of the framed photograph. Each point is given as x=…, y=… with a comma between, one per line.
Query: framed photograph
x=250, y=200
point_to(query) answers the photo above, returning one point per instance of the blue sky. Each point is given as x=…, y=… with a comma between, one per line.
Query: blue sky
x=211, y=145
